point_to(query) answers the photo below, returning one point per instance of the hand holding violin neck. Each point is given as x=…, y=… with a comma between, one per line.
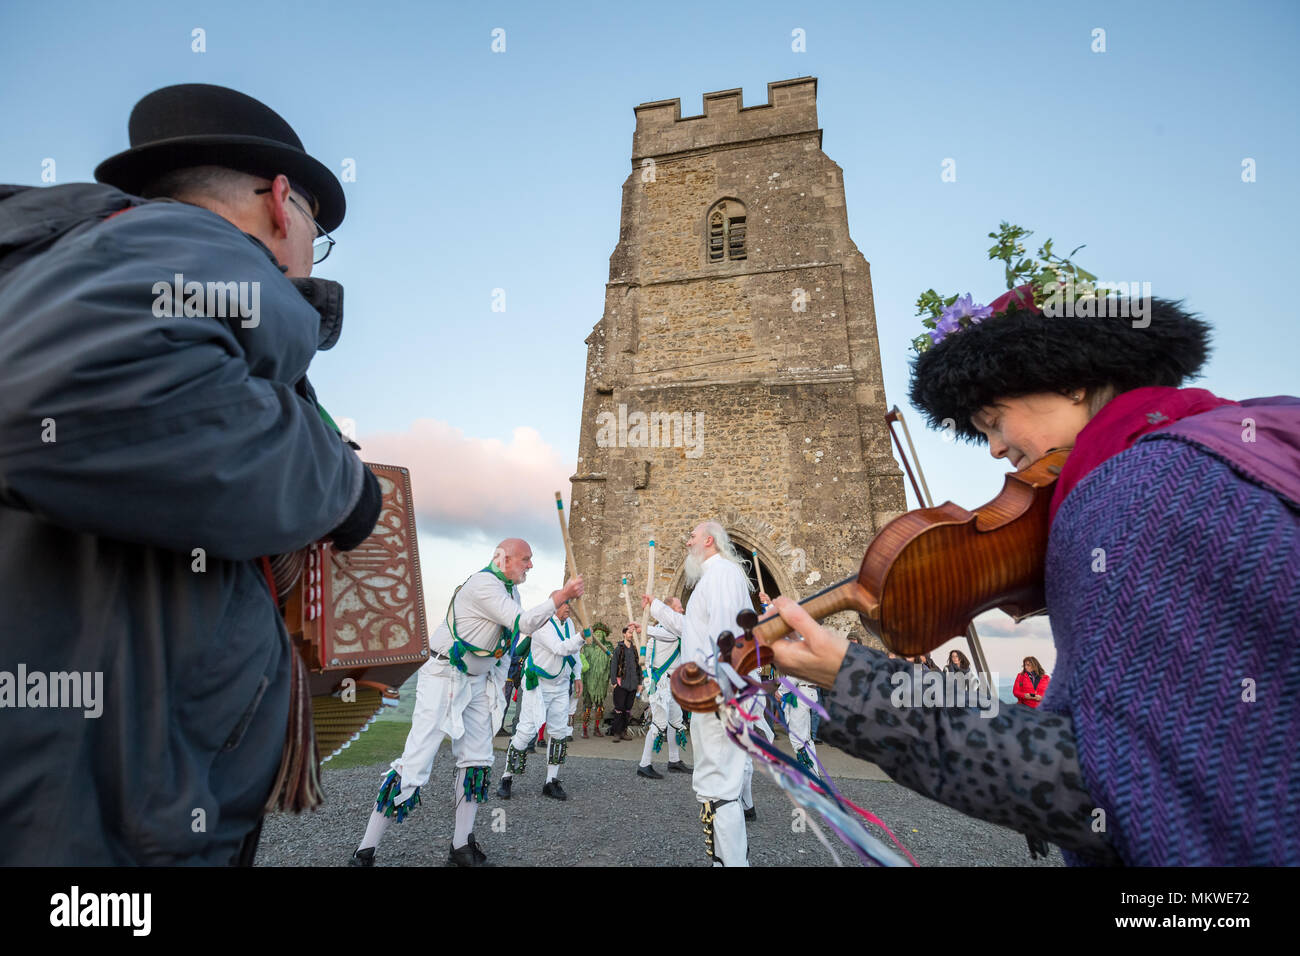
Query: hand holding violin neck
x=848, y=595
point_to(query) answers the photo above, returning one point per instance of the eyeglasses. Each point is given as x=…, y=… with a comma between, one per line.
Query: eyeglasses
x=322, y=244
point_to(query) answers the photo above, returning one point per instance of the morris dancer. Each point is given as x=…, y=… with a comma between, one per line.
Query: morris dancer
x=663, y=656
x=550, y=673
x=798, y=718
x=755, y=707
x=798, y=715
x=596, y=654
x=459, y=696
x=721, y=591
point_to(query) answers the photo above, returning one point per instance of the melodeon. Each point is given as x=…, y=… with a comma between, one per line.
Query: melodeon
x=358, y=616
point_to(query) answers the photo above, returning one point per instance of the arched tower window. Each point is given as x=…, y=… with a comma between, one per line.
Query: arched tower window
x=727, y=230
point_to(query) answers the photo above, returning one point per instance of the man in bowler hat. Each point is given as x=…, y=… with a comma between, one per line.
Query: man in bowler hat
x=158, y=438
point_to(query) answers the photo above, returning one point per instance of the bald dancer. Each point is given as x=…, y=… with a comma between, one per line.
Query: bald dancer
x=459, y=697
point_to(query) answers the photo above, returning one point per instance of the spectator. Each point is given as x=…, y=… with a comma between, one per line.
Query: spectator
x=625, y=670
x=1031, y=683
x=959, y=663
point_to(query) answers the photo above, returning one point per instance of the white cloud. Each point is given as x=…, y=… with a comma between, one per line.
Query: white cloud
x=445, y=563
x=466, y=486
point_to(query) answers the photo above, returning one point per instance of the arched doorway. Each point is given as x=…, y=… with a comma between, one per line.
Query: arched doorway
x=759, y=559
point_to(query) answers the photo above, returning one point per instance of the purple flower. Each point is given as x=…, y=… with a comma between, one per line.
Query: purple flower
x=946, y=325
x=950, y=318
x=964, y=308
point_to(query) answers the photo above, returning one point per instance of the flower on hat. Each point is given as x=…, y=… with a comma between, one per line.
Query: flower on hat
x=950, y=319
x=1031, y=281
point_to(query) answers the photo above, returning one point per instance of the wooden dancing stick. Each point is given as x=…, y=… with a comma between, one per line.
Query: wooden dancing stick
x=627, y=599
x=649, y=589
x=579, y=607
x=758, y=571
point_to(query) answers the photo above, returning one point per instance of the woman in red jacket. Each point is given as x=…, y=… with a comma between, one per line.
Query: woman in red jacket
x=1031, y=683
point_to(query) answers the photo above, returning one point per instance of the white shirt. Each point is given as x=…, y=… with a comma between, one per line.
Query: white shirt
x=482, y=608
x=721, y=594
x=669, y=620
x=552, y=643
x=661, y=646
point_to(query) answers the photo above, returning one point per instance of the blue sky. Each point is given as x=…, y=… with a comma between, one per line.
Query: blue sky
x=479, y=171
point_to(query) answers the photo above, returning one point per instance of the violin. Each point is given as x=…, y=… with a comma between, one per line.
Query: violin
x=924, y=578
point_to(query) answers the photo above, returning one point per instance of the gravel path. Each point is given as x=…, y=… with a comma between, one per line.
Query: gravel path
x=614, y=818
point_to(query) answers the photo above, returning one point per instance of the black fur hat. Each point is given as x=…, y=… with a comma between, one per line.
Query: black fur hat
x=1021, y=351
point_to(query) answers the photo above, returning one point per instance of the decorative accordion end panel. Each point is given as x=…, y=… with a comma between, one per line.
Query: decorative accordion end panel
x=358, y=615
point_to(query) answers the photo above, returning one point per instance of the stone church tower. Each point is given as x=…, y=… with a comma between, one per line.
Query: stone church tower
x=735, y=373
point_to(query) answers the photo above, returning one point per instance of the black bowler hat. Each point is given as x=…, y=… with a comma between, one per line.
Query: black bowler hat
x=196, y=124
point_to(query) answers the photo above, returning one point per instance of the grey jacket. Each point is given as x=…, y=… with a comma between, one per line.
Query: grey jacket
x=128, y=441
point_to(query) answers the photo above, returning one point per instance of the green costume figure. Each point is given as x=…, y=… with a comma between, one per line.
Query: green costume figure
x=596, y=654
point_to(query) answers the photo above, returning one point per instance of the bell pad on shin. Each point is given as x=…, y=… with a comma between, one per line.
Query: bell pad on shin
x=516, y=760
x=476, y=783
x=389, y=790
x=708, y=811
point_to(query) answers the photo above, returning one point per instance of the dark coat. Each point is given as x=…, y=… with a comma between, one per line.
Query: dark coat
x=172, y=434
x=627, y=664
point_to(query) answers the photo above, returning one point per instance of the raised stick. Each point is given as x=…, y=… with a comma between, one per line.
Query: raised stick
x=627, y=599
x=758, y=572
x=580, y=608
x=649, y=589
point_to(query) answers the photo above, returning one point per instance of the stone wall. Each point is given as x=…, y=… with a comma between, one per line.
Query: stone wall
x=773, y=358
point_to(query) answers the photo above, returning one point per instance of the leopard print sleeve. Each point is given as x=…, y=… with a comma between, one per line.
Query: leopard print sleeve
x=1018, y=768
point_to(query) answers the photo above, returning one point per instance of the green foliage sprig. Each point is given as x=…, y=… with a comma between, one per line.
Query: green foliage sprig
x=1047, y=275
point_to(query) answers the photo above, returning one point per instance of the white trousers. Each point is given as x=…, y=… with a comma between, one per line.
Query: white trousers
x=800, y=721
x=719, y=775
x=664, y=709
x=666, y=718
x=547, y=704
x=759, y=726
x=449, y=705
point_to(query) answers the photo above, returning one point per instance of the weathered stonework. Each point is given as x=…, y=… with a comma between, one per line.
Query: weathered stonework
x=792, y=453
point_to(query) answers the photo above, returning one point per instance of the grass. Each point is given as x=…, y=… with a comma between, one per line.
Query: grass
x=380, y=744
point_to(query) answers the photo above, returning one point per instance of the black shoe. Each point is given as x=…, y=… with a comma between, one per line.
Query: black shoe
x=364, y=857
x=463, y=857
x=479, y=855
x=678, y=766
x=503, y=791
x=751, y=814
x=554, y=791
x=531, y=748
x=649, y=772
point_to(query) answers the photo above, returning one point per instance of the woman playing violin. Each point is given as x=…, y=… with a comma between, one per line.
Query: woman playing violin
x=1174, y=551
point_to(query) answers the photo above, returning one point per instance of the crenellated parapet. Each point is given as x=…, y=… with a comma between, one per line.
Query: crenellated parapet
x=662, y=131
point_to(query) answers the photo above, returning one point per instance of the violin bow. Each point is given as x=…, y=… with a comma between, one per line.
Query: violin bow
x=894, y=415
